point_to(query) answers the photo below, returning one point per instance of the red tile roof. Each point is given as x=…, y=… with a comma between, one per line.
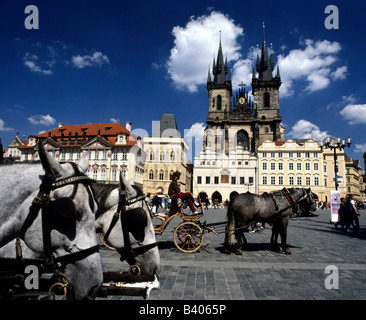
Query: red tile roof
x=106, y=131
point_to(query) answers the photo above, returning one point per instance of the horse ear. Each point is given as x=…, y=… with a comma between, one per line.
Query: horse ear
x=49, y=164
x=124, y=185
x=84, y=162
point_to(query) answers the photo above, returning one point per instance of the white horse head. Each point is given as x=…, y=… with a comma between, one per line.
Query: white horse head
x=69, y=218
x=138, y=224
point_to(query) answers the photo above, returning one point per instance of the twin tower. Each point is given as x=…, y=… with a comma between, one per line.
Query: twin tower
x=238, y=120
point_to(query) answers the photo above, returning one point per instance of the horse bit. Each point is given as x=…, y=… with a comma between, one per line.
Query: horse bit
x=42, y=200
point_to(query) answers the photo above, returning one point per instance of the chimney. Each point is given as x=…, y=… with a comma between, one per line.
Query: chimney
x=60, y=124
x=128, y=126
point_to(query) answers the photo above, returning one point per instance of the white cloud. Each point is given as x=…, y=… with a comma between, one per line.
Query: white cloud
x=194, y=47
x=114, y=120
x=97, y=59
x=194, y=138
x=46, y=120
x=304, y=129
x=32, y=62
x=2, y=126
x=313, y=64
x=360, y=148
x=354, y=113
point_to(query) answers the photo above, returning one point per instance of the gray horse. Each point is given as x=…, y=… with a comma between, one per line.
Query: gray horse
x=247, y=208
x=138, y=224
x=64, y=227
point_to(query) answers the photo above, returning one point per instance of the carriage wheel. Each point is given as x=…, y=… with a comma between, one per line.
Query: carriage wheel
x=188, y=237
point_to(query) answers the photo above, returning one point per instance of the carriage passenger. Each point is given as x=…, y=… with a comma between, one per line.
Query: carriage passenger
x=174, y=191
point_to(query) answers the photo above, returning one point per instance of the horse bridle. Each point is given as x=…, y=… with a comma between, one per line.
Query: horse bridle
x=129, y=253
x=42, y=201
x=291, y=199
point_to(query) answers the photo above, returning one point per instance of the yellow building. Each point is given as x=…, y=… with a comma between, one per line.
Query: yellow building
x=299, y=163
x=354, y=180
x=165, y=153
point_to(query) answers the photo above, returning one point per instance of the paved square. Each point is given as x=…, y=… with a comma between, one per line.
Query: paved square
x=261, y=273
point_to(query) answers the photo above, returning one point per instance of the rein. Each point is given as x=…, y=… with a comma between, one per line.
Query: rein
x=129, y=253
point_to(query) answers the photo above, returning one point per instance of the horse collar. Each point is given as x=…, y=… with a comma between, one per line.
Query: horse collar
x=289, y=198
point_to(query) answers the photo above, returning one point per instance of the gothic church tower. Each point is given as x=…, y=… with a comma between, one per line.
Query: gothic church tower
x=239, y=121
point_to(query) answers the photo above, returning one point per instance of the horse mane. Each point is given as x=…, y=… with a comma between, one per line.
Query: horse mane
x=101, y=192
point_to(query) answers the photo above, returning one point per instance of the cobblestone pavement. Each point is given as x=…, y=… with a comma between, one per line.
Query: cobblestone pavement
x=259, y=273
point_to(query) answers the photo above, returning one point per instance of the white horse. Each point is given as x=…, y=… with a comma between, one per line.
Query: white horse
x=129, y=203
x=65, y=225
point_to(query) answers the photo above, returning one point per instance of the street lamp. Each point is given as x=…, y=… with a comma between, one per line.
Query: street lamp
x=334, y=144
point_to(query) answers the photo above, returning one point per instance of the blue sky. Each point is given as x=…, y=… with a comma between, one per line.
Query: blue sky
x=102, y=61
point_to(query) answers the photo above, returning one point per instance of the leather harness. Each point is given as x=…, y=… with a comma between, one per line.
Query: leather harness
x=42, y=201
x=129, y=253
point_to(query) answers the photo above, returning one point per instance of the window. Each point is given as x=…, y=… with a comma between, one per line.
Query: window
x=124, y=155
x=299, y=181
x=199, y=180
x=291, y=181
x=273, y=166
x=280, y=166
x=233, y=180
x=280, y=180
x=102, y=174
x=152, y=156
x=95, y=174
x=264, y=180
x=298, y=166
x=307, y=166
x=266, y=100
x=264, y=154
x=298, y=154
x=316, y=181
x=307, y=154
x=172, y=156
x=316, y=166
x=264, y=165
x=216, y=180
x=96, y=155
x=307, y=181
x=291, y=166
x=291, y=155
x=325, y=168
x=161, y=175
x=114, y=175
x=242, y=180
x=251, y=180
x=273, y=180
x=162, y=156
x=115, y=155
x=151, y=175
x=208, y=180
x=273, y=155
x=219, y=102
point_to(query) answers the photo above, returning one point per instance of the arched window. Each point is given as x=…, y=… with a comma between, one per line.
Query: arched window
x=151, y=175
x=161, y=175
x=242, y=139
x=266, y=100
x=162, y=156
x=219, y=102
x=152, y=156
x=172, y=156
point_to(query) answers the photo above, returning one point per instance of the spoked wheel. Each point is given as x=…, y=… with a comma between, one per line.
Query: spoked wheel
x=188, y=237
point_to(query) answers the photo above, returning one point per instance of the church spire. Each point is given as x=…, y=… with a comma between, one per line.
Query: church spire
x=220, y=66
x=265, y=64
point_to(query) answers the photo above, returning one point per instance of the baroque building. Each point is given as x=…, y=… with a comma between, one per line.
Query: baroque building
x=110, y=147
x=236, y=126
